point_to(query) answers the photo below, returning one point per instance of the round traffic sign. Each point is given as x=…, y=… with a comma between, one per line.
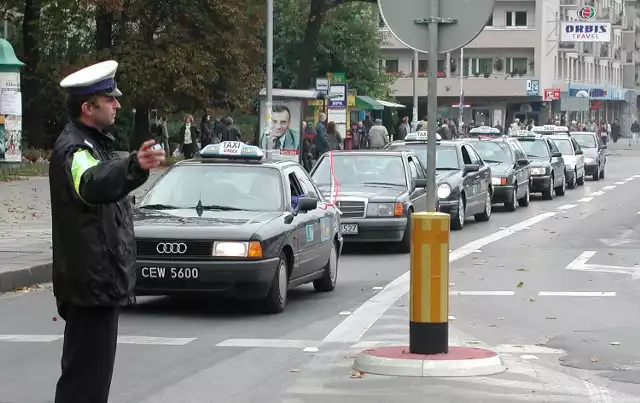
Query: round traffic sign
x=471, y=17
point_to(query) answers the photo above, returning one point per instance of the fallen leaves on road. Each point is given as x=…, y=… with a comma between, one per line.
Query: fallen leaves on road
x=594, y=359
x=523, y=269
x=532, y=300
x=356, y=375
x=520, y=284
x=551, y=317
x=474, y=342
x=615, y=343
x=294, y=370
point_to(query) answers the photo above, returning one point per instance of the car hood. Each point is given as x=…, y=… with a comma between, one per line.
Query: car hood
x=590, y=152
x=186, y=224
x=537, y=162
x=499, y=168
x=443, y=176
x=366, y=191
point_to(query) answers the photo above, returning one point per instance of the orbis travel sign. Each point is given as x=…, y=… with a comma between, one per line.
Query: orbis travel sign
x=579, y=31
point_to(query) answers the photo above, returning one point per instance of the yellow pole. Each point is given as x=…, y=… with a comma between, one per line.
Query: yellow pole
x=429, y=290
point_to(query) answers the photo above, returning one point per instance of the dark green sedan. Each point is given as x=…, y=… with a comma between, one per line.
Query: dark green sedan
x=233, y=224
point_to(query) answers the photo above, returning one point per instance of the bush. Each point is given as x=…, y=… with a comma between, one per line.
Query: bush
x=36, y=154
x=13, y=172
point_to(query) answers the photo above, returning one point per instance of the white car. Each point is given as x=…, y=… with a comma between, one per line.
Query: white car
x=573, y=158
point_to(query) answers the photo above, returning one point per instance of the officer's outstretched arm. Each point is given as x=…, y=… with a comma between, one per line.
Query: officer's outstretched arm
x=103, y=182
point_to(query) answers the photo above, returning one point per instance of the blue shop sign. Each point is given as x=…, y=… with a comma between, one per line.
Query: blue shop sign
x=608, y=93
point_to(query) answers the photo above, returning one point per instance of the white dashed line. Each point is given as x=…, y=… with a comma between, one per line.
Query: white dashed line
x=585, y=199
x=598, y=193
x=273, y=343
x=608, y=187
x=629, y=179
x=37, y=338
x=576, y=294
x=344, y=313
x=483, y=293
x=567, y=207
x=620, y=183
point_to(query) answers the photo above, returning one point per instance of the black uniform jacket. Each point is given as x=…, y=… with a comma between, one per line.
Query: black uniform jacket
x=94, y=247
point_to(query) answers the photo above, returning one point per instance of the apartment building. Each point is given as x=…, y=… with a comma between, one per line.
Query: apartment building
x=506, y=69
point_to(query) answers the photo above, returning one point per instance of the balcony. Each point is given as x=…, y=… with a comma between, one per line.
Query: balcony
x=617, y=54
x=495, y=86
x=565, y=3
x=571, y=47
x=630, y=58
x=604, y=51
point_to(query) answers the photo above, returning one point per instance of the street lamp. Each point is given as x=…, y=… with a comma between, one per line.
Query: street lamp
x=269, y=84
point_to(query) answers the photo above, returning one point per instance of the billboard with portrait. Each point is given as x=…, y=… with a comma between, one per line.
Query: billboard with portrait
x=286, y=124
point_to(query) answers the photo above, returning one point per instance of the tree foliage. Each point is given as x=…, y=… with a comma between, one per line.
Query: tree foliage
x=348, y=41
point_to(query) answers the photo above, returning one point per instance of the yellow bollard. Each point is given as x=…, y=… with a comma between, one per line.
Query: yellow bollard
x=429, y=288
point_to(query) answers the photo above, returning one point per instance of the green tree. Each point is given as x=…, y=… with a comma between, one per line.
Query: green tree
x=348, y=42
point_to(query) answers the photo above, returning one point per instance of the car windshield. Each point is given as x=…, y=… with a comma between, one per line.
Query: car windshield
x=493, y=152
x=218, y=187
x=535, y=148
x=362, y=169
x=446, y=156
x=586, y=140
x=564, y=145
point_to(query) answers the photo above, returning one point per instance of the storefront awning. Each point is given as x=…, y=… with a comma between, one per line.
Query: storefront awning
x=388, y=104
x=364, y=102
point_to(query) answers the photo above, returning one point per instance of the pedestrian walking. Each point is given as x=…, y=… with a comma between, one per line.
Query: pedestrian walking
x=92, y=231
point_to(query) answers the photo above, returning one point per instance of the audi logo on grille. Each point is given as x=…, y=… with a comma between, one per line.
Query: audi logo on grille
x=169, y=248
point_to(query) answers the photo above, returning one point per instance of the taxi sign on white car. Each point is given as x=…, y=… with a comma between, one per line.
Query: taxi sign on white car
x=487, y=130
x=550, y=129
x=232, y=150
x=523, y=133
x=420, y=136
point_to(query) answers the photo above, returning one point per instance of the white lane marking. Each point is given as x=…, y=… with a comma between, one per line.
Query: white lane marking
x=482, y=293
x=576, y=294
x=598, y=193
x=38, y=338
x=585, y=199
x=164, y=341
x=377, y=288
x=567, y=207
x=629, y=179
x=598, y=394
x=636, y=176
x=344, y=313
x=581, y=260
x=580, y=264
x=620, y=183
x=356, y=325
x=526, y=349
x=528, y=357
x=273, y=343
x=609, y=187
x=310, y=350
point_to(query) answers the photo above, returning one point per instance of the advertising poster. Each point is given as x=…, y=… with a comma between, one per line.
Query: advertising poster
x=286, y=123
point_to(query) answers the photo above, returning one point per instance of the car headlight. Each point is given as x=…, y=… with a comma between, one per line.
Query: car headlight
x=385, y=209
x=444, y=191
x=499, y=181
x=237, y=249
x=538, y=171
x=589, y=160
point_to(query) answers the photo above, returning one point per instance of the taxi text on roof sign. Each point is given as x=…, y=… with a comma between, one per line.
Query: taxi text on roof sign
x=420, y=136
x=521, y=133
x=550, y=129
x=484, y=130
x=231, y=150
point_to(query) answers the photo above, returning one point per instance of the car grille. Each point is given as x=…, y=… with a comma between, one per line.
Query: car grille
x=147, y=248
x=351, y=209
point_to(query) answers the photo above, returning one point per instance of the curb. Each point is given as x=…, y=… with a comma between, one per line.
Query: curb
x=460, y=362
x=12, y=280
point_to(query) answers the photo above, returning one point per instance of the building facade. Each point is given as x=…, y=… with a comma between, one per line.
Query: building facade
x=506, y=71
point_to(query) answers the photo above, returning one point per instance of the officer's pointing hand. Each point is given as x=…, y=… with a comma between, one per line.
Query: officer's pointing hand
x=148, y=157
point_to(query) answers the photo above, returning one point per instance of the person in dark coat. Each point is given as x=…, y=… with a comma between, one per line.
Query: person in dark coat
x=188, y=138
x=92, y=232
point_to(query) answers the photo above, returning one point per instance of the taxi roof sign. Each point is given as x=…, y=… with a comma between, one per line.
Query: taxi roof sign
x=420, y=136
x=485, y=130
x=550, y=129
x=232, y=150
x=523, y=133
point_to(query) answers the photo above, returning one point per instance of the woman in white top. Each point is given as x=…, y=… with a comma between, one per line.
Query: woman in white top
x=188, y=138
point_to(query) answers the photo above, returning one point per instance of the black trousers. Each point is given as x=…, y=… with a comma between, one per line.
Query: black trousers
x=88, y=353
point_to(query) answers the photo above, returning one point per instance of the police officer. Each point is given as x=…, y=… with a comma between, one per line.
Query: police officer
x=92, y=231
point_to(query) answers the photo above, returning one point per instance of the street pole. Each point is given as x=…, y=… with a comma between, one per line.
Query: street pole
x=461, y=102
x=414, y=120
x=432, y=103
x=269, y=86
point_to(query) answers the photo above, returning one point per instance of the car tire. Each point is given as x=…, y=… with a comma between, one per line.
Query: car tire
x=405, y=244
x=486, y=214
x=550, y=193
x=457, y=222
x=330, y=277
x=276, y=300
x=580, y=180
x=596, y=174
x=524, y=202
x=572, y=184
x=562, y=189
x=602, y=172
x=512, y=204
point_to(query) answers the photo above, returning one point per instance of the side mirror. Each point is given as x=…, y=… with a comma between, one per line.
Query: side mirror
x=579, y=152
x=603, y=147
x=419, y=183
x=523, y=162
x=556, y=155
x=307, y=204
x=468, y=168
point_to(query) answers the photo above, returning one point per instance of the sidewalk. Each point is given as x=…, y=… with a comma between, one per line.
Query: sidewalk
x=25, y=231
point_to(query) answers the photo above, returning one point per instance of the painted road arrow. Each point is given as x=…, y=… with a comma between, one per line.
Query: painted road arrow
x=580, y=264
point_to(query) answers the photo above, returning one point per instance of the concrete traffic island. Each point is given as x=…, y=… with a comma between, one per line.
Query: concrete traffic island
x=458, y=362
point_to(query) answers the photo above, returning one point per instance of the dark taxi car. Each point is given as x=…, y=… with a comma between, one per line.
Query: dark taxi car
x=463, y=179
x=547, y=165
x=376, y=193
x=510, y=169
x=234, y=224
x=595, y=159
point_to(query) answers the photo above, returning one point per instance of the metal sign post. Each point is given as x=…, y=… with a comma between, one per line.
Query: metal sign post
x=269, y=86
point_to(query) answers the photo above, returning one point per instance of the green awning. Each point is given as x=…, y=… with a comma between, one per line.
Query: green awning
x=364, y=102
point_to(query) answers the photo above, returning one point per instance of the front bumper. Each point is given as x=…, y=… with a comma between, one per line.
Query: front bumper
x=376, y=229
x=449, y=207
x=540, y=183
x=245, y=279
x=569, y=175
x=502, y=194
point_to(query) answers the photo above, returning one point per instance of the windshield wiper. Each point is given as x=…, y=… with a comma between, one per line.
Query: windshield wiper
x=159, y=207
x=219, y=207
x=383, y=183
x=533, y=156
x=447, y=169
x=493, y=161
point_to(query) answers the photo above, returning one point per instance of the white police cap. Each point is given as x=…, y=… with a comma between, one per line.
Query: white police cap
x=97, y=79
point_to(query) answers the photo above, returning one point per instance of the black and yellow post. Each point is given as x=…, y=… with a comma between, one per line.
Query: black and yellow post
x=429, y=289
